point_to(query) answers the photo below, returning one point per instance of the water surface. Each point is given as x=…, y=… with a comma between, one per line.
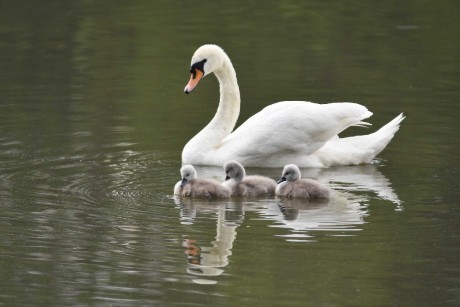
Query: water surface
x=93, y=120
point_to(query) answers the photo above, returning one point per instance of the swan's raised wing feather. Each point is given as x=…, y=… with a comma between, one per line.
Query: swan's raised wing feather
x=291, y=127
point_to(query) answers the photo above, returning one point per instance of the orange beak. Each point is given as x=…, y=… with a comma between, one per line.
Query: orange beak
x=194, y=79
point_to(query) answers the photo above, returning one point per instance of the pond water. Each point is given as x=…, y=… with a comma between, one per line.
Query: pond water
x=93, y=120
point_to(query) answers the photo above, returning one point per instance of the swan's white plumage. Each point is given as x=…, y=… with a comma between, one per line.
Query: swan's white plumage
x=299, y=132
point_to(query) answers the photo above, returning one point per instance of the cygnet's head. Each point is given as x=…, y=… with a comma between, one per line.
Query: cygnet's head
x=205, y=60
x=234, y=170
x=291, y=172
x=187, y=173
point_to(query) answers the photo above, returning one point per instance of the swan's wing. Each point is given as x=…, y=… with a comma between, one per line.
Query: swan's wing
x=291, y=127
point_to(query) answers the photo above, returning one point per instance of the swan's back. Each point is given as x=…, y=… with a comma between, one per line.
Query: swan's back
x=309, y=127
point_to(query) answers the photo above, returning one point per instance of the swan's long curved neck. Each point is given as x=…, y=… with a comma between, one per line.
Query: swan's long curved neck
x=229, y=105
x=227, y=113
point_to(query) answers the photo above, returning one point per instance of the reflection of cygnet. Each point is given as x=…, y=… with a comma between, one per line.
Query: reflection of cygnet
x=192, y=186
x=292, y=186
x=243, y=185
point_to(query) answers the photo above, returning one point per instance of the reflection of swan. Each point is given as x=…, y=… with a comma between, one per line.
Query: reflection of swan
x=365, y=178
x=341, y=212
x=298, y=132
x=291, y=185
x=190, y=207
x=242, y=185
x=191, y=186
x=210, y=260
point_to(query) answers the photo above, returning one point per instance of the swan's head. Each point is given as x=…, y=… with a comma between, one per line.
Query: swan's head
x=234, y=170
x=205, y=60
x=187, y=173
x=291, y=172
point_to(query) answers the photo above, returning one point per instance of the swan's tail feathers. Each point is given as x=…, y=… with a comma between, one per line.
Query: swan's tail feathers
x=357, y=149
x=380, y=139
x=393, y=126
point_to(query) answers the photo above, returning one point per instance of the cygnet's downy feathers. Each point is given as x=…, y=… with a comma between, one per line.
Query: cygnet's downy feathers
x=242, y=185
x=291, y=185
x=191, y=186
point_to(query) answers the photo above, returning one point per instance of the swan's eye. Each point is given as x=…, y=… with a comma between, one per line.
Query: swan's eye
x=198, y=65
x=193, y=71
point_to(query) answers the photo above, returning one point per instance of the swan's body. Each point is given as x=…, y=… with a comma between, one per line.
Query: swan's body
x=242, y=185
x=291, y=185
x=299, y=132
x=191, y=186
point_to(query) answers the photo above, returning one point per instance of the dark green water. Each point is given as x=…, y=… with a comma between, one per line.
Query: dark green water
x=93, y=120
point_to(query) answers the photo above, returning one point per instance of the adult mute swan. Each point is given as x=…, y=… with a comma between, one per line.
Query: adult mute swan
x=242, y=185
x=191, y=186
x=299, y=132
x=291, y=185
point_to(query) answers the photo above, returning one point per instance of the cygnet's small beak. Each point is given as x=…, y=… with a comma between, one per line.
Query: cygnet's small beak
x=183, y=182
x=195, y=77
x=282, y=179
x=227, y=178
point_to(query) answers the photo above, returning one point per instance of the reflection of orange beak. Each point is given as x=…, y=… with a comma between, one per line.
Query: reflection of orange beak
x=192, y=248
x=194, y=79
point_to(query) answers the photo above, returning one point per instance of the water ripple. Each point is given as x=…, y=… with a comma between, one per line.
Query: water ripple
x=116, y=171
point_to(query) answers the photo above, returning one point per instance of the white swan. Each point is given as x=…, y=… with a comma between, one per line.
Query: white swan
x=299, y=132
x=191, y=186
x=242, y=185
x=291, y=185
